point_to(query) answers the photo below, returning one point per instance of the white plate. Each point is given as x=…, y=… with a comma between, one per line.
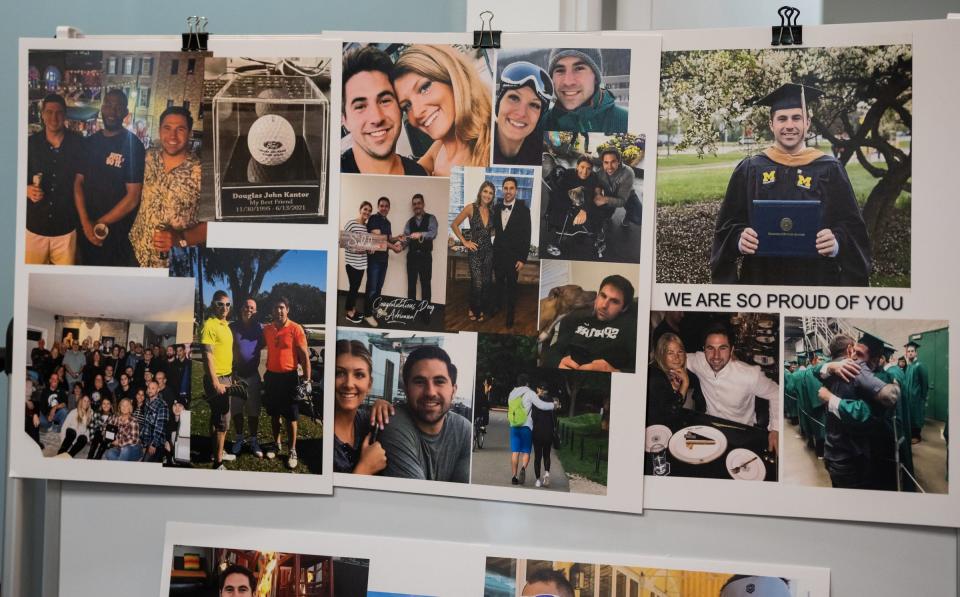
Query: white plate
x=700, y=453
x=765, y=324
x=656, y=434
x=763, y=360
x=766, y=339
x=755, y=471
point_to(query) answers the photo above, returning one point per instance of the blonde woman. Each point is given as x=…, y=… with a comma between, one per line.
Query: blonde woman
x=480, y=247
x=442, y=95
x=75, y=433
x=670, y=385
x=126, y=444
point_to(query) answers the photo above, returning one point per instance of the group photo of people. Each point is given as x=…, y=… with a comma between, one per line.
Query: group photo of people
x=515, y=577
x=393, y=253
x=713, y=395
x=403, y=404
x=785, y=167
x=867, y=403
x=535, y=427
x=113, y=177
x=198, y=571
x=592, y=196
x=109, y=388
x=260, y=325
x=266, y=155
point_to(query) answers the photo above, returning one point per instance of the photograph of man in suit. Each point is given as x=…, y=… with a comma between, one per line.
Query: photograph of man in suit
x=511, y=246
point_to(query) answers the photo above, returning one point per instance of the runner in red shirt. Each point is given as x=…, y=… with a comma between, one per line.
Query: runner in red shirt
x=286, y=349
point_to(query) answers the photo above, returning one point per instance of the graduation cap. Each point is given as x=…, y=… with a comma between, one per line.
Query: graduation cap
x=876, y=345
x=790, y=95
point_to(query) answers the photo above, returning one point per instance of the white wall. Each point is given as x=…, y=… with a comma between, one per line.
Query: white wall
x=44, y=320
x=135, y=333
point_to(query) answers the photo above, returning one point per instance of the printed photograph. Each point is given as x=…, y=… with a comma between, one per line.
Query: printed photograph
x=404, y=403
x=557, y=89
x=113, y=174
x=226, y=572
x=867, y=403
x=109, y=373
x=492, y=265
x=393, y=246
x=713, y=395
x=415, y=109
x=257, y=385
x=539, y=427
x=588, y=316
x=510, y=577
x=266, y=152
x=794, y=163
x=592, y=205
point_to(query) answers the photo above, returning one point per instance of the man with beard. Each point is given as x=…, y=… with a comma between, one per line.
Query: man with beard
x=598, y=338
x=786, y=182
x=424, y=440
x=731, y=387
x=107, y=189
x=167, y=216
x=371, y=114
x=53, y=158
x=418, y=235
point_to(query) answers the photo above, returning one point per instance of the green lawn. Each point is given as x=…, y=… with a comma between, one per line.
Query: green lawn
x=685, y=178
x=569, y=453
x=309, y=438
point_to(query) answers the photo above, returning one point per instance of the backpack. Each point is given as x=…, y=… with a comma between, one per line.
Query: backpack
x=516, y=413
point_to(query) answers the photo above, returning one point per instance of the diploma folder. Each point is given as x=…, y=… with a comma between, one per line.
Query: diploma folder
x=786, y=228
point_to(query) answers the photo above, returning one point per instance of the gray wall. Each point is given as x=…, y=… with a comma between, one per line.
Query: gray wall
x=878, y=560
x=860, y=11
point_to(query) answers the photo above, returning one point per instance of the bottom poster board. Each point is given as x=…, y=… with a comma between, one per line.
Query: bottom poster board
x=210, y=560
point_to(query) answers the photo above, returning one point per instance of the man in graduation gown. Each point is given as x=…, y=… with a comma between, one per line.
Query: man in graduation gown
x=916, y=387
x=790, y=410
x=791, y=171
x=893, y=435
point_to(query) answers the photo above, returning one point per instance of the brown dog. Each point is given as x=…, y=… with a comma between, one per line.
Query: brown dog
x=560, y=301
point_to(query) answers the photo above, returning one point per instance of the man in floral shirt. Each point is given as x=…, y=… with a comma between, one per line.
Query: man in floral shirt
x=171, y=193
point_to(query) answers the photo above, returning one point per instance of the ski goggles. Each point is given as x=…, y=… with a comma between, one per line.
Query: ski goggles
x=519, y=74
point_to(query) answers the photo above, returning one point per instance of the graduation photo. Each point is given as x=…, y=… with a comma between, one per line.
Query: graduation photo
x=866, y=404
x=794, y=170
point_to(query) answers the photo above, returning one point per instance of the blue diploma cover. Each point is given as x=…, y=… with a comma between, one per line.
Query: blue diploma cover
x=786, y=228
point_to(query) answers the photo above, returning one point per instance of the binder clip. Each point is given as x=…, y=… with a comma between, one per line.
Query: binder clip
x=486, y=37
x=195, y=39
x=788, y=33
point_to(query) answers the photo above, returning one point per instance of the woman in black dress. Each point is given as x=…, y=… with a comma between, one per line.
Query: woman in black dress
x=480, y=247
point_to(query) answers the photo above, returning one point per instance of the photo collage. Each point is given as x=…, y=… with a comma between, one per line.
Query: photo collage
x=542, y=255
x=490, y=215
x=785, y=343
x=183, y=347
x=202, y=559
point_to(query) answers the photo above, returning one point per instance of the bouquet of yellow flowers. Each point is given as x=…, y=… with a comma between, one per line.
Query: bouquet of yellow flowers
x=631, y=147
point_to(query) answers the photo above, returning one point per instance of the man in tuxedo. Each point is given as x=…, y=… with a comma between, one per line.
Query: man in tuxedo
x=511, y=246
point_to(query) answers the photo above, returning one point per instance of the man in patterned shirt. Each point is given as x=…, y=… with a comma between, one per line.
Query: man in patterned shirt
x=155, y=420
x=171, y=192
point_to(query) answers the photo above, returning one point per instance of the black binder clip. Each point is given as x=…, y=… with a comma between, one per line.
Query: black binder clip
x=486, y=37
x=195, y=39
x=788, y=33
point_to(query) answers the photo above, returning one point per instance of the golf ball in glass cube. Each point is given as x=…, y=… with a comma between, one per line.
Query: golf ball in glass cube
x=271, y=140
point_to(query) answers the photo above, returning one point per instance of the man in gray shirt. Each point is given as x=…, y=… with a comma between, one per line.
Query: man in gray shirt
x=617, y=181
x=424, y=440
x=74, y=362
